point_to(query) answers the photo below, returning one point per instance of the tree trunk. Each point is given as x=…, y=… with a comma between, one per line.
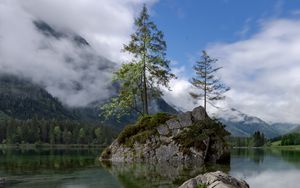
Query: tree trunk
x=145, y=97
x=145, y=92
x=207, y=149
x=205, y=86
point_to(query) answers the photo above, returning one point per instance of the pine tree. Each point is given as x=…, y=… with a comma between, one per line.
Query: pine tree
x=211, y=88
x=141, y=79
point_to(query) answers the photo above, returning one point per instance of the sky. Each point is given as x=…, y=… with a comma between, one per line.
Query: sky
x=257, y=43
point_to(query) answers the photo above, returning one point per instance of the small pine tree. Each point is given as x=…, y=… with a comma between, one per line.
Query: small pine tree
x=211, y=88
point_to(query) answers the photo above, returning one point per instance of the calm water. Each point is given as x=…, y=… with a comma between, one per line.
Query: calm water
x=80, y=169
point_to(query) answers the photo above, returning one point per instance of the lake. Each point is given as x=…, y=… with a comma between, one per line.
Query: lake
x=79, y=168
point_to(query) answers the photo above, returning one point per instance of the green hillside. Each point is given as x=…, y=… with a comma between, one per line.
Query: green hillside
x=23, y=100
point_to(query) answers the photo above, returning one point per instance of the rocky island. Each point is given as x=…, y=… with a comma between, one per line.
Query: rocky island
x=189, y=137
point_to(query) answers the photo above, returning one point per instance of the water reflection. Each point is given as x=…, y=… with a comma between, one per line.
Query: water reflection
x=33, y=161
x=81, y=169
x=158, y=175
x=257, y=154
x=60, y=168
x=274, y=168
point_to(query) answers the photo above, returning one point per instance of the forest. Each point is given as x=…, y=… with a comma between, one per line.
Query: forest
x=41, y=131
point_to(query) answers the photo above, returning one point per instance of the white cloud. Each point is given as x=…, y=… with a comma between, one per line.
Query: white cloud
x=264, y=71
x=106, y=24
x=180, y=88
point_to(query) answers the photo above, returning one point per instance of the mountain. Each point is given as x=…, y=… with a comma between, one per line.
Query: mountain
x=296, y=129
x=243, y=125
x=285, y=128
x=21, y=99
x=49, y=31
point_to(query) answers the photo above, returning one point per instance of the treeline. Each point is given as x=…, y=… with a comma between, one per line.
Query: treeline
x=35, y=131
x=258, y=139
x=290, y=139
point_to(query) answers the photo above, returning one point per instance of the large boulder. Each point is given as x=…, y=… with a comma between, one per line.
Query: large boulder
x=215, y=180
x=163, y=138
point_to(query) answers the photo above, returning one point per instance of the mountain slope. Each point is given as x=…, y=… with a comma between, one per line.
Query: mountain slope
x=295, y=130
x=21, y=99
x=285, y=128
x=243, y=125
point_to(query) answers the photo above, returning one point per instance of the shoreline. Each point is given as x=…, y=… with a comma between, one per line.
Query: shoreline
x=52, y=146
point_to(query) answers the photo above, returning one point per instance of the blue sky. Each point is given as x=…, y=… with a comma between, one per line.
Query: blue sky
x=193, y=25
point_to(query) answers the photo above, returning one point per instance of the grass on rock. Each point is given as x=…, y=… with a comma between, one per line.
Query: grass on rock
x=143, y=129
x=194, y=135
x=201, y=186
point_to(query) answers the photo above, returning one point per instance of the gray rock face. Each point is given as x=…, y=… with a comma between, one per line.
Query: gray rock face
x=173, y=124
x=215, y=180
x=162, y=147
x=185, y=119
x=163, y=130
x=199, y=114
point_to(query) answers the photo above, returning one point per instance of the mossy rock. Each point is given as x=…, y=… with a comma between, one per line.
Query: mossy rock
x=194, y=135
x=202, y=186
x=143, y=129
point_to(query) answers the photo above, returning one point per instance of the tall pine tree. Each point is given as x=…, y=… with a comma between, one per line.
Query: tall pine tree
x=142, y=78
x=211, y=88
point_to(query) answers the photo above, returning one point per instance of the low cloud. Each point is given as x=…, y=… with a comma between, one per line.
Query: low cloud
x=76, y=75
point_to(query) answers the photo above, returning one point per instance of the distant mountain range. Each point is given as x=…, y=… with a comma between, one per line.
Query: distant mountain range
x=242, y=125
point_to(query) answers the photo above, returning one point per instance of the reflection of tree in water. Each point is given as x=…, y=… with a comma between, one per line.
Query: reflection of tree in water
x=158, y=175
x=28, y=161
x=255, y=154
x=292, y=156
x=258, y=155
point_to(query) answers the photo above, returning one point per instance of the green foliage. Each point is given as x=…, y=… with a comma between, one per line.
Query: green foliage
x=33, y=131
x=258, y=139
x=3, y=116
x=211, y=88
x=290, y=139
x=141, y=78
x=240, y=141
x=23, y=100
x=82, y=136
x=143, y=129
x=194, y=135
x=57, y=134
